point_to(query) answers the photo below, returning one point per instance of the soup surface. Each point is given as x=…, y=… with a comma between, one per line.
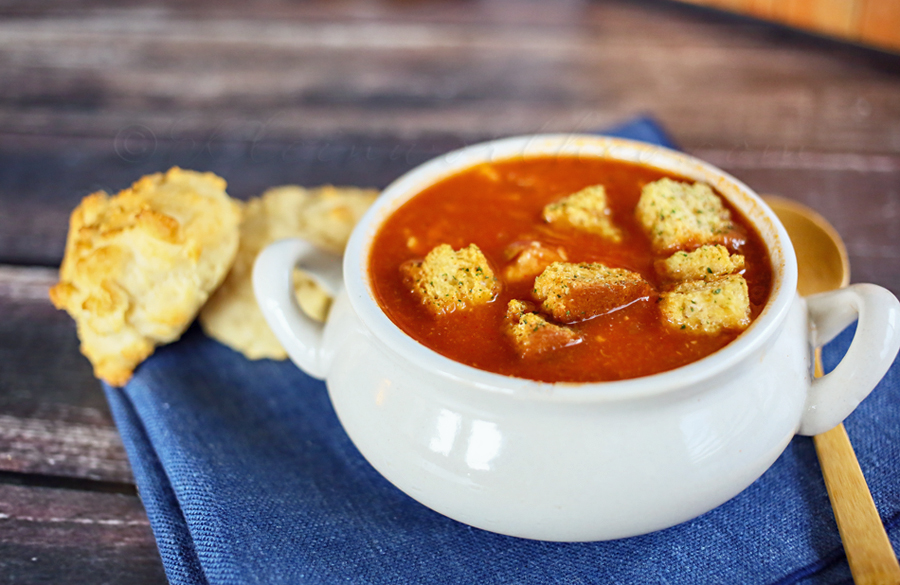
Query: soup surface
x=498, y=206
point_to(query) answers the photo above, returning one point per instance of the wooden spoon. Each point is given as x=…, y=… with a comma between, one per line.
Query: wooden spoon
x=823, y=266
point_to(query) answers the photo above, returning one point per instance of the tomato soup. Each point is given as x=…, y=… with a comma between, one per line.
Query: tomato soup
x=498, y=206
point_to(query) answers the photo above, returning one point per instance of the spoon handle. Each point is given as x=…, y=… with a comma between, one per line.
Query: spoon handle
x=869, y=551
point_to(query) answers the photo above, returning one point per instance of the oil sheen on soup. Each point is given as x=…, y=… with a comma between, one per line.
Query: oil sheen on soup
x=566, y=269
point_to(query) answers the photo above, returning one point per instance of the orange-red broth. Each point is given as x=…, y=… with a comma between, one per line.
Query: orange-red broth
x=499, y=204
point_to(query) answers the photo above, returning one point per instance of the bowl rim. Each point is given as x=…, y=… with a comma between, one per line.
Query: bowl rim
x=763, y=328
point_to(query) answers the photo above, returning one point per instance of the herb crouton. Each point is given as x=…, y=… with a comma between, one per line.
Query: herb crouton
x=449, y=280
x=575, y=292
x=586, y=210
x=707, y=306
x=677, y=215
x=531, y=334
x=704, y=263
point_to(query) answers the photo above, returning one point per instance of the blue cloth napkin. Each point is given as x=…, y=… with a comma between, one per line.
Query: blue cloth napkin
x=248, y=477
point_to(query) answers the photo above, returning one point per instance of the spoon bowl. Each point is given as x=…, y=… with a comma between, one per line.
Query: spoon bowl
x=822, y=262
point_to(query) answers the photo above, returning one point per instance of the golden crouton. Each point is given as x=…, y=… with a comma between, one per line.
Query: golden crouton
x=704, y=263
x=531, y=334
x=586, y=210
x=138, y=266
x=448, y=280
x=678, y=215
x=324, y=216
x=529, y=259
x=707, y=306
x=574, y=292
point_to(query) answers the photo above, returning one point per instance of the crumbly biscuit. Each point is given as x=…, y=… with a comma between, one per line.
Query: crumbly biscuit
x=324, y=216
x=531, y=334
x=530, y=258
x=707, y=306
x=586, y=210
x=449, y=280
x=574, y=292
x=138, y=266
x=704, y=263
x=678, y=215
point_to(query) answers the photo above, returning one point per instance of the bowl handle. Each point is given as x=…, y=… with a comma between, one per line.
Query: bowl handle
x=273, y=285
x=833, y=397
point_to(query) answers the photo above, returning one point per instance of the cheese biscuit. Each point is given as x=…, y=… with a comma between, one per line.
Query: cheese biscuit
x=138, y=266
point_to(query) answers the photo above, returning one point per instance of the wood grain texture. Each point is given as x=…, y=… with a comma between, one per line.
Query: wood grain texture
x=43, y=178
x=53, y=416
x=112, y=72
x=39, y=352
x=65, y=536
x=62, y=449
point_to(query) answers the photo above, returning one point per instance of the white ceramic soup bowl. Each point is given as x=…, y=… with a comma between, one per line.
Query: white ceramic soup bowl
x=587, y=461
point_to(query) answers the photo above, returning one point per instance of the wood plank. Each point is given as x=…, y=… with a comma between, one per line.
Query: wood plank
x=103, y=72
x=87, y=537
x=487, y=12
x=58, y=448
x=43, y=178
x=53, y=416
x=39, y=352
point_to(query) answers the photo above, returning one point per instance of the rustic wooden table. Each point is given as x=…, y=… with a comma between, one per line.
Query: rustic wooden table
x=95, y=94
